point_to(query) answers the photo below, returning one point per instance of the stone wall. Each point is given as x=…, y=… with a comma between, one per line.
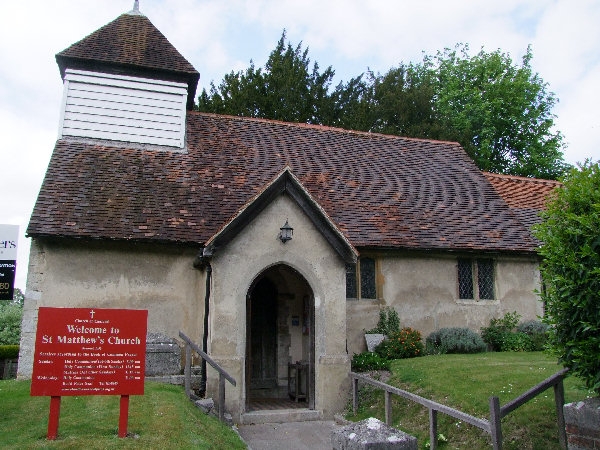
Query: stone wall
x=423, y=289
x=163, y=356
x=80, y=274
x=582, y=423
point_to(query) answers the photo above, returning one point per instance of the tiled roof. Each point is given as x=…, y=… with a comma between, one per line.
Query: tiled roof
x=380, y=191
x=525, y=196
x=130, y=42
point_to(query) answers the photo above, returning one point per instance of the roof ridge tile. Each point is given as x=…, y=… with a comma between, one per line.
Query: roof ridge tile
x=323, y=127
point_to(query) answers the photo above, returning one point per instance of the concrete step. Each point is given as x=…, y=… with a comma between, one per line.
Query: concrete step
x=280, y=416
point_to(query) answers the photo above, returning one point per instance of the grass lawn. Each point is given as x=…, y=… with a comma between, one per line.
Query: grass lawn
x=161, y=418
x=466, y=382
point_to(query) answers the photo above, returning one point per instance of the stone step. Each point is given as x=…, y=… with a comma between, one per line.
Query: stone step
x=280, y=416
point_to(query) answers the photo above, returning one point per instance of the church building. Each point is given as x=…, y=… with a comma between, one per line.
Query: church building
x=281, y=241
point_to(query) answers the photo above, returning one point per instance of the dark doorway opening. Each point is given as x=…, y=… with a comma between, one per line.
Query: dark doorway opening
x=279, y=341
x=263, y=336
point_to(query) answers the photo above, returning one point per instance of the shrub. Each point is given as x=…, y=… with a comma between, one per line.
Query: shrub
x=571, y=272
x=516, y=342
x=406, y=343
x=537, y=332
x=532, y=327
x=388, y=324
x=454, y=340
x=10, y=323
x=9, y=351
x=366, y=361
x=495, y=334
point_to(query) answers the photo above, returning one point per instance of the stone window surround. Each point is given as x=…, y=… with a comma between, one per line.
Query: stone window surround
x=476, y=282
x=358, y=279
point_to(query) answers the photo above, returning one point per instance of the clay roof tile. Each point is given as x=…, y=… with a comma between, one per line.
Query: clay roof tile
x=130, y=45
x=381, y=191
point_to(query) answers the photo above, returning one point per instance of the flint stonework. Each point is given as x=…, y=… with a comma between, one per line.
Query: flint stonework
x=371, y=434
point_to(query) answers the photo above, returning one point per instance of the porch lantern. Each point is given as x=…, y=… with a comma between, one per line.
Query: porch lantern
x=286, y=232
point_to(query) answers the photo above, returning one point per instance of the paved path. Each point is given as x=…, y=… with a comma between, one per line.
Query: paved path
x=312, y=435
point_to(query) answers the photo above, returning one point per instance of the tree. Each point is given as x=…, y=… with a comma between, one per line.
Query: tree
x=501, y=113
x=18, y=297
x=400, y=102
x=286, y=89
x=11, y=313
x=571, y=272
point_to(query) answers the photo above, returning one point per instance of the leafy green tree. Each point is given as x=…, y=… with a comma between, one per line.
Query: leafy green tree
x=500, y=112
x=11, y=313
x=353, y=104
x=286, y=89
x=18, y=297
x=571, y=272
x=10, y=323
x=399, y=102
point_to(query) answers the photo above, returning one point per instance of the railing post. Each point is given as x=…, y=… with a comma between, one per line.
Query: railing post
x=221, y=396
x=388, y=408
x=495, y=426
x=559, y=400
x=432, y=428
x=354, y=395
x=187, y=371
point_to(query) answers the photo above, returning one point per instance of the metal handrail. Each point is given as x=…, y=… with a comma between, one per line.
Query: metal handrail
x=223, y=375
x=492, y=426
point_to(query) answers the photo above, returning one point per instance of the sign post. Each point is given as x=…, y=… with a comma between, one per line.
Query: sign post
x=53, y=417
x=85, y=351
x=9, y=235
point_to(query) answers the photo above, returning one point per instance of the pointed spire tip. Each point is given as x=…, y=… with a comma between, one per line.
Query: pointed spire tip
x=136, y=9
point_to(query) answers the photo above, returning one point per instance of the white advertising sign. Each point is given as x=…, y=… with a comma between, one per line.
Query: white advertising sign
x=9, y=235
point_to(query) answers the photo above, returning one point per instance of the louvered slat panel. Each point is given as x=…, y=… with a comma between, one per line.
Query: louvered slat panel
x=78, y=89
x=129, y=125
x=111, y=112
x=126, y=82
x=149, y=108
x=130, y=109
x=137, y=138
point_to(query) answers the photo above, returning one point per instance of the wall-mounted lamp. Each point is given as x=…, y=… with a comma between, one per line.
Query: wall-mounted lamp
x=286, y=232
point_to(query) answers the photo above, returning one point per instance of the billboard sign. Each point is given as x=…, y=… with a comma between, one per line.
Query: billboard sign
x=9, y=236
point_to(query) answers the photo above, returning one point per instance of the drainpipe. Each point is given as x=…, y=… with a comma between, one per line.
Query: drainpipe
x=202, y=262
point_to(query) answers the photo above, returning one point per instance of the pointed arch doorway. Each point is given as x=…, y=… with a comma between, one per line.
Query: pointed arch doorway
x=280, y=341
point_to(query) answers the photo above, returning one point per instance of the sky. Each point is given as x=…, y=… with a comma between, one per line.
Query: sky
x=352, y=36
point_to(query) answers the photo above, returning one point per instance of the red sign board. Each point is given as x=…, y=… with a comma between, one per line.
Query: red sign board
x=85, y=351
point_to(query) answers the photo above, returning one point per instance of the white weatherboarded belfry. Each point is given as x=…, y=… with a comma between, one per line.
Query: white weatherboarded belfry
x=123, y=108
x=148, y=204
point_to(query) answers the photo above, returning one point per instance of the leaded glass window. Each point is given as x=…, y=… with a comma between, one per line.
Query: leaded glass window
x=361, y=279
x=465, y=279
x=476, y=279
x=351, y=288
x=485, y=279
x=367, y=278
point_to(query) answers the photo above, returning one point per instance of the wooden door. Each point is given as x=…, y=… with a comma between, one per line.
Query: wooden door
x=263, y=336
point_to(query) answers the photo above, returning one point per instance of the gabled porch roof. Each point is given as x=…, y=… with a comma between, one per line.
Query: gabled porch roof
x=285, y=183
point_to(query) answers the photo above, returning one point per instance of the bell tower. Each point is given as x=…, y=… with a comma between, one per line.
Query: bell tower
x=126, y=82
